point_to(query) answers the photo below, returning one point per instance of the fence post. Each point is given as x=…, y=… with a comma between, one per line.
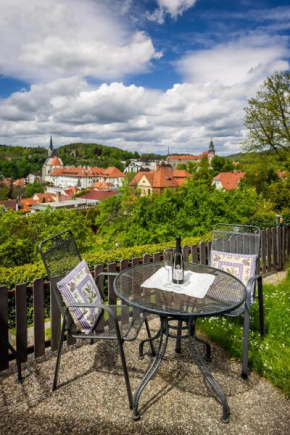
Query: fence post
x=156, y=257
x=112, y=298
x=194, y=254
x=4, y=363
x=279, y=248
x=283, y=233
x=185, y=253
x=202, y=248
x=38, y=317
x=274, y=247
x=21, y=321
x=269, y=249
x=263, y=251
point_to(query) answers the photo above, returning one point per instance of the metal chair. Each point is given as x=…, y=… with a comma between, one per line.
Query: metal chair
x=8, y=346
x=243, y=240
x=60, y=255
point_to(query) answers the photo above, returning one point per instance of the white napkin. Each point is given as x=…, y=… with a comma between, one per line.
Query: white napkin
x=195, y=284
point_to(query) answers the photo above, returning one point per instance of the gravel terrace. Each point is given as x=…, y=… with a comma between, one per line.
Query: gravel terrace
x=92, y=397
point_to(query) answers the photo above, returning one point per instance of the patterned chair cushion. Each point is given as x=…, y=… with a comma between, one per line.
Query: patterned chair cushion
x=241, y=266
x=79, y=287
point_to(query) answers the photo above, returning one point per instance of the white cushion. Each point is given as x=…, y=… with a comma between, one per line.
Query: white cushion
x=79, y=287
x=242, y=266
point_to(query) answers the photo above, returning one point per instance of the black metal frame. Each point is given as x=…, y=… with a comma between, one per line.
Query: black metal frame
x=255, y=281
x=9, y=346
x=66, y=239
x=164, y=334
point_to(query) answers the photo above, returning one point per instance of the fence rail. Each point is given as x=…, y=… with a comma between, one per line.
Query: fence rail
x=275, y=250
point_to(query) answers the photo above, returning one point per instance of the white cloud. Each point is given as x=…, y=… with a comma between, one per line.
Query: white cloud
x=174, y=8
x=184, y=117
x=245, y=60
x=47, y=39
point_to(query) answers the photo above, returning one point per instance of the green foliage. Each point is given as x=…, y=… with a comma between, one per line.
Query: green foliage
x=31, y=189
x=270, y=356
x=88, y=154
x=12, y=166
x=260, y=176
x=4, y=192
x=20, y=235
x=191, y=210
x=268, y=116
x=221, y=164
x=10, y=276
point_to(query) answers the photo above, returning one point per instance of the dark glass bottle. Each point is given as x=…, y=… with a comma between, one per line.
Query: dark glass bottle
x=178, y=267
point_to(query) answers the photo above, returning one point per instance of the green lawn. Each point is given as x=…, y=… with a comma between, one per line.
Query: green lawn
x=269, y=357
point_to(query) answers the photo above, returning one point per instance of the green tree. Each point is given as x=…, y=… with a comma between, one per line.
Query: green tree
x=31, y=189
x=267, y=116
x=221, y=164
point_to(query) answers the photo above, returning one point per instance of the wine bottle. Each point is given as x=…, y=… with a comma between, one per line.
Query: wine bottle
x=178, y=267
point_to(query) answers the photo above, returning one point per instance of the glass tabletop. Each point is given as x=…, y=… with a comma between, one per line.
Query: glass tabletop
x=225, y=294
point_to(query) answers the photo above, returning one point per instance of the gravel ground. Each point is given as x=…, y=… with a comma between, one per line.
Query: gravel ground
x=92, y=398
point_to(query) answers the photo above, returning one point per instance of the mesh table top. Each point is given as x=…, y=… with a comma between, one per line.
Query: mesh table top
x=225, y=294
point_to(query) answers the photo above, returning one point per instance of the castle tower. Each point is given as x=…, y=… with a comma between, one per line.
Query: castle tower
x=211, y=151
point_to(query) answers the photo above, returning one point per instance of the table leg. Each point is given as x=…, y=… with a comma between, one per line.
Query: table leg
x=160, y=352
x=193, y=348
x=150, y=340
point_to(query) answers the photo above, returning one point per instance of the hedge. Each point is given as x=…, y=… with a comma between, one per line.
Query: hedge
x=27, y=273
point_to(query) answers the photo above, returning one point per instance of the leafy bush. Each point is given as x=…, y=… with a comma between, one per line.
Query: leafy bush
x=10, y=276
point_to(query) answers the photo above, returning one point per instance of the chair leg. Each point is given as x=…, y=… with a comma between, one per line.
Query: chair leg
x=178, y=338
x=149, y=336
x=125, y=370
x=261, y=308
x=54, y=385
x=246, y=339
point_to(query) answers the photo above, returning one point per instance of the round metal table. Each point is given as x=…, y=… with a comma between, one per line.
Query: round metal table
x=175, y=310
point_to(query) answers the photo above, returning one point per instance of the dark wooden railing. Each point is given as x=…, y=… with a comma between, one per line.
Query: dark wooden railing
x=275, y=250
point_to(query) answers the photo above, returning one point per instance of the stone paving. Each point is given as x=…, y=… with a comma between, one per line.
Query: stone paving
x=92, y=398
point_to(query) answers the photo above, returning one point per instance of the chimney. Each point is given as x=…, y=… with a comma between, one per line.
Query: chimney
x=58, y=197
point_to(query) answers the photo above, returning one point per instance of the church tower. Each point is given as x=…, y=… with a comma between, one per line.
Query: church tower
x=52, y=162
x=50, y=148
x=211, y=151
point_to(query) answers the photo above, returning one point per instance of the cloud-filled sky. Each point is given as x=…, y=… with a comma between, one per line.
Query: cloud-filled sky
x=141, y=75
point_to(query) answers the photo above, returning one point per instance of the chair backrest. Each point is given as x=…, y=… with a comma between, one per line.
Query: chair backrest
x=60, y=255
x=237, y=239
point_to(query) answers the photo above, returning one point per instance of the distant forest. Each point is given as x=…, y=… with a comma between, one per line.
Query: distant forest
x=18, y=162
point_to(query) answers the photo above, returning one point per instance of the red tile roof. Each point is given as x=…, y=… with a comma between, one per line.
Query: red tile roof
x=163, y=177
x=56, y=162
x=10, y=204
x=113, y=172
x=229, y=180
x=87, y=172
x=187, y=157
x=99, y=194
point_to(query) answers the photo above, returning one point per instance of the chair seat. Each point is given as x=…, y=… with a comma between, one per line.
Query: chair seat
x=237, y=312
x=130, y=322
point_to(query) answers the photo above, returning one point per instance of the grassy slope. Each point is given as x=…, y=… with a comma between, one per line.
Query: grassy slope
x=270, y=357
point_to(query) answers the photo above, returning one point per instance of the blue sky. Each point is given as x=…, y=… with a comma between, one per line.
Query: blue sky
x=140, y=75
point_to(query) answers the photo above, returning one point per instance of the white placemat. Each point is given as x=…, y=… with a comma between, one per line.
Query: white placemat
x=195, y=284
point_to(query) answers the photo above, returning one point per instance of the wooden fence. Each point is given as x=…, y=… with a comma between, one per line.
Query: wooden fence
x=275, y=250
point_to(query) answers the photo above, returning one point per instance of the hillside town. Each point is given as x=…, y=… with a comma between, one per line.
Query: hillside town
x=80, y=187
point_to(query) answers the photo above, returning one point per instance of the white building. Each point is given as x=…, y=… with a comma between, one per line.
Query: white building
x=85, y=177
x=52, y=162
x=139, y=165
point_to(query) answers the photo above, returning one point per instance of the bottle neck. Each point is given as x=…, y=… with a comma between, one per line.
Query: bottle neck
x=178, y=245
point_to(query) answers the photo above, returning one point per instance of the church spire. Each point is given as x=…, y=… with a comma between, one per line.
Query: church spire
x=211, y=147
x=50, y=144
